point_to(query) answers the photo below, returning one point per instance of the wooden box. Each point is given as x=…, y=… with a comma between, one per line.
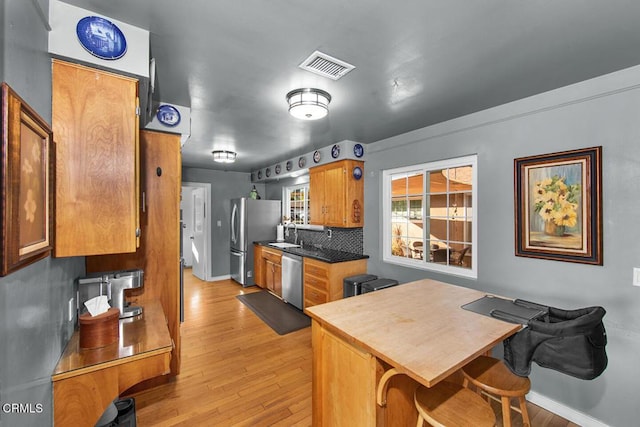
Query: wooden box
x=100, y=330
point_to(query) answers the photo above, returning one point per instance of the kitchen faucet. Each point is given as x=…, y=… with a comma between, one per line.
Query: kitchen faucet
x=295, y=231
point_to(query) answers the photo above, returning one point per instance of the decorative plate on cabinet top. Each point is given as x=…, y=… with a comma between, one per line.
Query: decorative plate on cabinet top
x=278, y=169
x=316, y=156
x=357, y=172
x=358, y=150
x=168, y=115
x=101, y=37
x=335, y=151
x=259, y=174
x=268, y=172
x=289, y=165
x=302, y=162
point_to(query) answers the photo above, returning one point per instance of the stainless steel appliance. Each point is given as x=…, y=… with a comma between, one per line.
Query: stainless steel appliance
x=112, y=284
x=251, y=221
x=292, y=279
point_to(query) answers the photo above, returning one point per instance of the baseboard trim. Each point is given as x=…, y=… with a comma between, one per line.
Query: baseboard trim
x=564, y=411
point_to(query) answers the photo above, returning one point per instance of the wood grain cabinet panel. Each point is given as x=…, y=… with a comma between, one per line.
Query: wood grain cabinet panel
x=95, y=125
x=323, y=281
x=159, y=252
x=336, y=196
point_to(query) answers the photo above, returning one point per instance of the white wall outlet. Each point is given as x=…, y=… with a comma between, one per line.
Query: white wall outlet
x=219, y=223
x=72, y=309
x=636, y=276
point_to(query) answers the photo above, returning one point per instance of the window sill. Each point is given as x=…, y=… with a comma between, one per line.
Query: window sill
x=437, y=268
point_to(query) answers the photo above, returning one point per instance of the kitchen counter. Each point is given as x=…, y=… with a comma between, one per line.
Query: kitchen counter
x=417, y=329
x=326, y=255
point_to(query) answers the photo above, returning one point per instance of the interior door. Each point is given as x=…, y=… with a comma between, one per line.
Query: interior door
x=199, y=261
x=187, y=221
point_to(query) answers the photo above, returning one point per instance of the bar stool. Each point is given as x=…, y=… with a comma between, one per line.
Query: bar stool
x=449, y=404
x=492, y=376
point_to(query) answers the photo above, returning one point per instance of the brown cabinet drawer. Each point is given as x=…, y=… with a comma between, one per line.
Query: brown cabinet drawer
x=314, y=269
x=314, y=296
x=273, y=256
x=316, y=282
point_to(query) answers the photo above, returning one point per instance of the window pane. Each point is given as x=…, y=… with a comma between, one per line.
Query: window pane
x=460, y=178
x=437, y=182
x=460, y=231
x=438, y=228
x=438, y=205
x=399, y=184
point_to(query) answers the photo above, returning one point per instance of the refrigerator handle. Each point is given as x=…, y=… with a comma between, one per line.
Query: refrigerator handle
x=234, y=212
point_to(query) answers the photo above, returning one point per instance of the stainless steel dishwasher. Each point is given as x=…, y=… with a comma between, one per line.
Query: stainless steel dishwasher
x=292, y=279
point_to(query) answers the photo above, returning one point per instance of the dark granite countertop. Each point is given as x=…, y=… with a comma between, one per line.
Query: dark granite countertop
x=325, y=255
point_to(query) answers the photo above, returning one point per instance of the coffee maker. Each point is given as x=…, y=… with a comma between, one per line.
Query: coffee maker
x=112, y=284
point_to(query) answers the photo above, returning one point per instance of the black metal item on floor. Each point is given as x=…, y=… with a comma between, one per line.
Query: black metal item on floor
x=352, y=285
x=568, y=341
x=280, y=316
x=378, y=284
x=120, y=413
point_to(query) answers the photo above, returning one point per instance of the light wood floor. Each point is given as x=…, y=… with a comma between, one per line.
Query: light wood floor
x=236, y=371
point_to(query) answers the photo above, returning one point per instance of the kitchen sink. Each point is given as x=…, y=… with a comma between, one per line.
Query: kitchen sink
x=283, y=245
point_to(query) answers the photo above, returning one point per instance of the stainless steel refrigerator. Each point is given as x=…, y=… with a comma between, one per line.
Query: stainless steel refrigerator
x=251, y=221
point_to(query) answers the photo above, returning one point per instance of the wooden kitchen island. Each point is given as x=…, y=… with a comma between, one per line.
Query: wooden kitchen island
x=387, y=342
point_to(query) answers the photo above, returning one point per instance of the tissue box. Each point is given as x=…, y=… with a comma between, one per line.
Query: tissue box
x=100, y=330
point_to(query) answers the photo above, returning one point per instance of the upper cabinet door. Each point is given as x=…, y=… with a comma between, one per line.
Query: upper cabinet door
x=336, y=194
x=95, y=126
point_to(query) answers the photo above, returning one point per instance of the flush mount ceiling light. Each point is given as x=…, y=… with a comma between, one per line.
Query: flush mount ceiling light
x=308, y=104
x=224, y=156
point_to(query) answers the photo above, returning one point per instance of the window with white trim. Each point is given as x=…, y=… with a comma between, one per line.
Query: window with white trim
x=296, y=204
x=429, y=216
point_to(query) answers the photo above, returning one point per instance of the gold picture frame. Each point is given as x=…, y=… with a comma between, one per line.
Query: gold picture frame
x=26, y=171
x=558, y=206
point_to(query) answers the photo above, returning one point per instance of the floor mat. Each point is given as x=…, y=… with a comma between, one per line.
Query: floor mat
x=280, y=316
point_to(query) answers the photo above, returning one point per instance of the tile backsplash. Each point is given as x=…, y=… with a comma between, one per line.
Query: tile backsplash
x=342, y=239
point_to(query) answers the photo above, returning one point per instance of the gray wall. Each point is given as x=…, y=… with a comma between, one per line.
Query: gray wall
x=603, y=112
x=225, y=186
x=33, y=301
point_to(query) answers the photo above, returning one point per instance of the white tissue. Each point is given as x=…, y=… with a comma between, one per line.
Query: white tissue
x=97, y=305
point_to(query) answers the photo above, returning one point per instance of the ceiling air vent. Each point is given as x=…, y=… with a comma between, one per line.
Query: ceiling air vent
x=326, y=66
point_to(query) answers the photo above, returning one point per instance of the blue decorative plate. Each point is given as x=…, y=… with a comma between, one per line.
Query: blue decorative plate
x=302, y=162
x=335, y=151
x=357, y=172
x=168, y=115
x=268, y=172
x=316, y=156
x=358, y=150
x=259, y=174
x=289, y=165
x=101, y=37
x=278, y=169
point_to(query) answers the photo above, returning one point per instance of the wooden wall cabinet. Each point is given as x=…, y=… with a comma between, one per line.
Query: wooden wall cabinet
x=323, y=281
x=336, y=196
x=159, y=251
x=95, y=127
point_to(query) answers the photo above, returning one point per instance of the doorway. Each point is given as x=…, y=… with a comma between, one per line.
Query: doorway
x=196, y=238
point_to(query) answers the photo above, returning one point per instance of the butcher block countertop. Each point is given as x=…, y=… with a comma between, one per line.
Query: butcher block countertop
x=418, y=327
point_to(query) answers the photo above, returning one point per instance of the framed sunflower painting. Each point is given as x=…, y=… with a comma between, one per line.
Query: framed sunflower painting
x=26, y=184
x=558, y=206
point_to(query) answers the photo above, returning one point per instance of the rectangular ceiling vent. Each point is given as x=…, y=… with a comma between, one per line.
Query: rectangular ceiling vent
x=326, y=66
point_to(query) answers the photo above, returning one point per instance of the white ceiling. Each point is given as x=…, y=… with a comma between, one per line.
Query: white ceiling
x=418, y=62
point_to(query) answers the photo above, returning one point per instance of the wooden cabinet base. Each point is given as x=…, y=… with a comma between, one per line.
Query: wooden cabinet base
x=81, y=400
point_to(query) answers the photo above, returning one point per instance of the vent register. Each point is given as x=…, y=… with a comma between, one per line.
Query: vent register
x=326, y=66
